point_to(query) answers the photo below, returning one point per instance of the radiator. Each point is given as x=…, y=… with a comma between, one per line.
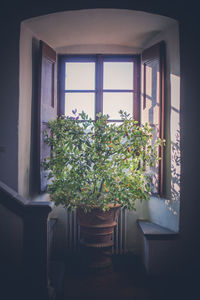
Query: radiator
x=73, y=233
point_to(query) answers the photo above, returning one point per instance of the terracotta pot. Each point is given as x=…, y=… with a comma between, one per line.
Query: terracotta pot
x=97, y=229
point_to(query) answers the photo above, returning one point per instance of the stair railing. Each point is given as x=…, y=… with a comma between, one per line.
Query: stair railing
x=34, y=216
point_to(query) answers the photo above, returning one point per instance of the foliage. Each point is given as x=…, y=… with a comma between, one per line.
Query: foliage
x=99, y=163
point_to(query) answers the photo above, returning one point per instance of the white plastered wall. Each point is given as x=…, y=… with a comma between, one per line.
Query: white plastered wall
x=25, y=102
x=162, y=211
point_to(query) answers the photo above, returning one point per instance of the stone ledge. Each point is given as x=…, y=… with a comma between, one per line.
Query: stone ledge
x=154, y=231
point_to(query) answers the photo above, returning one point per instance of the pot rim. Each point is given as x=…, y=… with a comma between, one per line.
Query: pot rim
x=110, y=205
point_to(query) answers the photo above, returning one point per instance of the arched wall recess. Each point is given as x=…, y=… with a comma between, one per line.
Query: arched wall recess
x=82, y=31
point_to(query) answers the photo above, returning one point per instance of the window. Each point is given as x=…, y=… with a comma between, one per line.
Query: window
x=153, y=104
x=104, y=83
x=99, y=84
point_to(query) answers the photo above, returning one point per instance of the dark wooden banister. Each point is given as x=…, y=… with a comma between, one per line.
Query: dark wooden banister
x=35, y=241
x=16, y=203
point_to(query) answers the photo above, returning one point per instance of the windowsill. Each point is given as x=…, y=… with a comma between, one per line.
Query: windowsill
x=154, y=231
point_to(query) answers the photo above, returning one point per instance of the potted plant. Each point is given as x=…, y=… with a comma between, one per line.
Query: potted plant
x=98, y=167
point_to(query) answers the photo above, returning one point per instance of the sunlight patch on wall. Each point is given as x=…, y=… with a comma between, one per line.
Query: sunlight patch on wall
x=175, y=137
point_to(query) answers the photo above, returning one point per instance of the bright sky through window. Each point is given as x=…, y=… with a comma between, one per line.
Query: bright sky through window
x=80, y=76
x=116, y=89
x=113, y=102
x=118, y=75
x=80, y=101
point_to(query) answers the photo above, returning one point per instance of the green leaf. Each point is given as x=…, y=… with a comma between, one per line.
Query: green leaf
x=86, y=155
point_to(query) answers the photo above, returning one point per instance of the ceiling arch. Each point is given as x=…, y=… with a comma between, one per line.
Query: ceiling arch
x=67, y=31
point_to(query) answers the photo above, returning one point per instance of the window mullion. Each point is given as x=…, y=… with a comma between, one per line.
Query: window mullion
x=61, y=102
x=136, y=92
x=99, y=82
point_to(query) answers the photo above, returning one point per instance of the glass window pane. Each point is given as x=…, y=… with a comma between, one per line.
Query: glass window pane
x=80, y=76
x=151, y=112
x=80, y=101
x=118, y=75
x=113, y=102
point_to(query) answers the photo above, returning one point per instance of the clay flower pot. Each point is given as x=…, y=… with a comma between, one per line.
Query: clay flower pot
x=97, y=229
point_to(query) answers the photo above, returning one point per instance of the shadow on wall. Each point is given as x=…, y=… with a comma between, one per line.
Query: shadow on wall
x=168, y=208
x=34, y=183
x=173, y=205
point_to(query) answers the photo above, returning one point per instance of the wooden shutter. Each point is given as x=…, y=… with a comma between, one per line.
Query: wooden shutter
x=47, y=102
x=152, y=102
